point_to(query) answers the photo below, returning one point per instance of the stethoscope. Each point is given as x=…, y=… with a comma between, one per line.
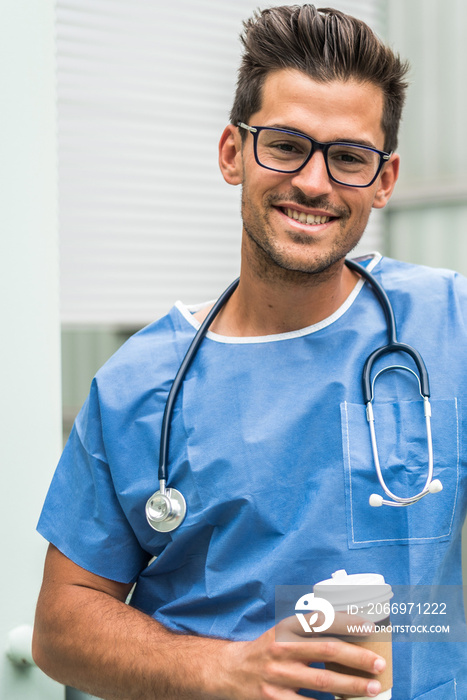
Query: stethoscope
x=166, y=508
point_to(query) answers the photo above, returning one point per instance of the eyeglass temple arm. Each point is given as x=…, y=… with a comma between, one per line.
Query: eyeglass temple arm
x=251, y=129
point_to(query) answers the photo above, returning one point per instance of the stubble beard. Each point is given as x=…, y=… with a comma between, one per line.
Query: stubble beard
x=273, y=262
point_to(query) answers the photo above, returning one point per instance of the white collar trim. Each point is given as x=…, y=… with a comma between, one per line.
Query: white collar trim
x=187, y=312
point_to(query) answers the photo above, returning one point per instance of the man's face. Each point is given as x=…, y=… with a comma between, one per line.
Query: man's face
x=273, y=203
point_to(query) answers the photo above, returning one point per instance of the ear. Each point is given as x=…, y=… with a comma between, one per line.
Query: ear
x=230, y=155
x=387, y=181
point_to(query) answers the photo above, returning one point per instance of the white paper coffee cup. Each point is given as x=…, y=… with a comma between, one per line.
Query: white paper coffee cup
x=365, y=596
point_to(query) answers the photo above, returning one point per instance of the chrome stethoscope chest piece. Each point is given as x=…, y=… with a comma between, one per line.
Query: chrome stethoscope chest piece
x=166, y=511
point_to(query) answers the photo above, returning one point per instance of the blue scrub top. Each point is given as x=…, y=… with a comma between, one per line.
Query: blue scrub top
x=270, y=447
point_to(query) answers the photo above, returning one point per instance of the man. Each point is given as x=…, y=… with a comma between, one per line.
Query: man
x=269, y=441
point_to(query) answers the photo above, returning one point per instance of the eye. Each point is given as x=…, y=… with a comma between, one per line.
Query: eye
x=351, y=158
x=348, y=158
x=281, y=146
x=288, y=147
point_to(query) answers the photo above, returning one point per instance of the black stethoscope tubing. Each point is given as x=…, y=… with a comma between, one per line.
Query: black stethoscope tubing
x=392, y=345
x=179, y=377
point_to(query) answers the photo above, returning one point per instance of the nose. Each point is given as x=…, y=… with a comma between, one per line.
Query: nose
x=313, y=179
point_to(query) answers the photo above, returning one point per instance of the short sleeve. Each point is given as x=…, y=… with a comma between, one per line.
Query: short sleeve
x=82, y=515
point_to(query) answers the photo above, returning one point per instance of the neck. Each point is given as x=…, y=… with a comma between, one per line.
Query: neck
x=267, y=304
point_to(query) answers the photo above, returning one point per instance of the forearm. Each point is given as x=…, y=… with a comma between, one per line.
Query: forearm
x=87, y=637
x=104, y=647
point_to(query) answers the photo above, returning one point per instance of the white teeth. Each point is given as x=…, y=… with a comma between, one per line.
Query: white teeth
x=307, y=218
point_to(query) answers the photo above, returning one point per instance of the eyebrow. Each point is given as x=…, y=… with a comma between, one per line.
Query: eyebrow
x=357, y=142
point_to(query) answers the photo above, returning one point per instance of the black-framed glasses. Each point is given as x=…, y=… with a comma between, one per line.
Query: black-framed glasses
x=288, y=152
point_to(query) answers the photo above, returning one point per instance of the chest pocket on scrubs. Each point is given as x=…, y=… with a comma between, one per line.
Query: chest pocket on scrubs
x=402, y=445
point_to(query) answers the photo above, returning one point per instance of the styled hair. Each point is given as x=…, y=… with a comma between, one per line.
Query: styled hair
x=326, y=45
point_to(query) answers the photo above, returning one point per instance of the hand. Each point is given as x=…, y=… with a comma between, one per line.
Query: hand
x=266, y=668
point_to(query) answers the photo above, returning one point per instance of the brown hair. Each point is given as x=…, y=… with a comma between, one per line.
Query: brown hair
x=325, y=44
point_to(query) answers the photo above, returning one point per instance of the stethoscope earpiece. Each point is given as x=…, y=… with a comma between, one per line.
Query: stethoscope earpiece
x=436, y=486
x=376, y=500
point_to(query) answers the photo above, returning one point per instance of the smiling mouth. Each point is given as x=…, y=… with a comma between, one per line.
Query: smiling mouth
x=304, y=218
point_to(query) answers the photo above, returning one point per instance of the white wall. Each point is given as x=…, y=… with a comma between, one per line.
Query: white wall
x=29, y=350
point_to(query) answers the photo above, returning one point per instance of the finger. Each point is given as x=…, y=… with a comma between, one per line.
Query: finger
x=327, y=681
x=331, y=650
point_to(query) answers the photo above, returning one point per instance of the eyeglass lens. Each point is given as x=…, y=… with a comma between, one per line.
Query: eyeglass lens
x=352, y=165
